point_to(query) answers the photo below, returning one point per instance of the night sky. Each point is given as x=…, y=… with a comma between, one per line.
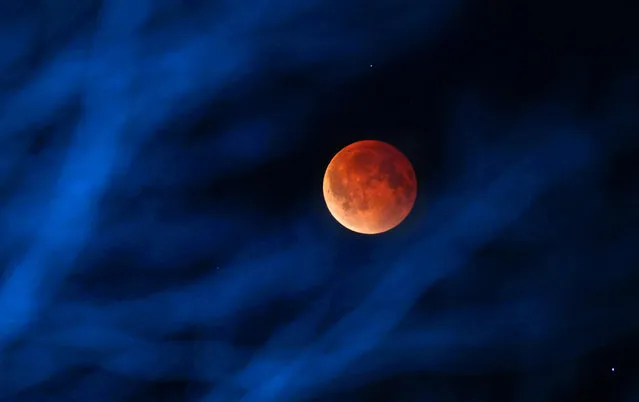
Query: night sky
x=164, y=236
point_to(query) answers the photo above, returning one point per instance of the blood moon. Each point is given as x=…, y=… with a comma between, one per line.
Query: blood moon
x=370, y=187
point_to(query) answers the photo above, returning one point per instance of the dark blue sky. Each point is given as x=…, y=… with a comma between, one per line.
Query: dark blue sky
x=163, y=235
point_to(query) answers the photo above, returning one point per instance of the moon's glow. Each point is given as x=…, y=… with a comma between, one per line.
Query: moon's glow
x=370, y=187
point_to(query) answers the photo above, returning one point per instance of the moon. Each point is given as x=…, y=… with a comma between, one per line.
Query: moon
x=370, y=187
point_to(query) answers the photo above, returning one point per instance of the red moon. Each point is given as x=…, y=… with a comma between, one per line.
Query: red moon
x=370, y=187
